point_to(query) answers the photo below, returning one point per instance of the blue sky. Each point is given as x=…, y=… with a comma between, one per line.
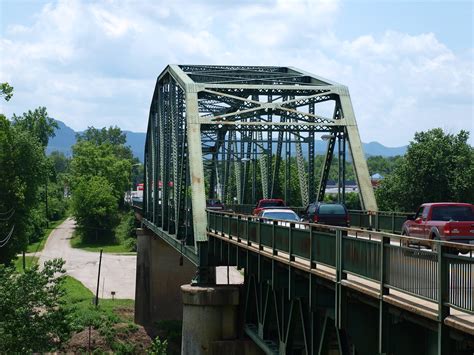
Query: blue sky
x=408, y=65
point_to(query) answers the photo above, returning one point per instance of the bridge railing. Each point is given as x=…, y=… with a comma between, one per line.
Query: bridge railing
x=440, y=276
x=380, y=221
x=137, y=203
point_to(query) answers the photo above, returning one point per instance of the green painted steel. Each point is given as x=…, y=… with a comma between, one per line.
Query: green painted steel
x=380, y=221
x=296, y=283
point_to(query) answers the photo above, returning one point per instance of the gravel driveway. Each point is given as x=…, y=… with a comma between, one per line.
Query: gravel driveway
x=117, y=273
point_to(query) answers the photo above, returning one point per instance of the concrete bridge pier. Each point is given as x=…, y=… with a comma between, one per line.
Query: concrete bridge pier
x=211, y=323
x=159, y=278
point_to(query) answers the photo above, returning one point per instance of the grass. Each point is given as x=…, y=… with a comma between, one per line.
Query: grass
x=103, y=318
x=29, y=262
x=122, y=243
x=80, y=298
x=108, y=246
x=39, y=245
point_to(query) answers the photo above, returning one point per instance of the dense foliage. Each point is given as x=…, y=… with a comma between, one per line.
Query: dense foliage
x=22, y=165
x=33, y=313
x=437, y=167
x=26, y=202
x=100, y=174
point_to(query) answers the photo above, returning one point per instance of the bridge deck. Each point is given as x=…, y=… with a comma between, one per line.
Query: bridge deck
x=411, y=276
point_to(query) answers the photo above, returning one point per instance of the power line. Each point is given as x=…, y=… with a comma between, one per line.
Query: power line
x=11, y=212
x=7, y=238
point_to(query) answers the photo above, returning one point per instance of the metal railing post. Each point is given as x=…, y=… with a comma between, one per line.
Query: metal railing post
x=443, y=298
x=339, y=277
x=383, y=314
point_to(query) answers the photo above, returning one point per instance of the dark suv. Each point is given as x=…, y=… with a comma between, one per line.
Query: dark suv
x=334, y=214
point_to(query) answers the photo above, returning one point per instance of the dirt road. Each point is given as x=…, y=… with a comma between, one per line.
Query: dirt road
x=117, y=272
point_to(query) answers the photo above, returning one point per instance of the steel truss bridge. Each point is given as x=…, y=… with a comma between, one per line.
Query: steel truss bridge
x=240, y=134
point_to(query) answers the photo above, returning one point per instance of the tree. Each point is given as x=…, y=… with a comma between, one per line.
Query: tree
x=6, y=91
x=34, y=317
x=437, y=167
x=59, y=162
x=95, y=206
x=100, y=174
x=112, y=136
x=100, y=160
x=38, y=124
x=22, y=166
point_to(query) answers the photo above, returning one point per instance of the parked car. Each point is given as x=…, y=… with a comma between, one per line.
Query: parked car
x=448, y=221
x=268, y=203
x=283, y=215
x=215, y=205
x=334, y=214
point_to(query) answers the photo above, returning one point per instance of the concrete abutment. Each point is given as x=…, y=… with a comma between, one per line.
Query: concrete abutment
x=159, y=278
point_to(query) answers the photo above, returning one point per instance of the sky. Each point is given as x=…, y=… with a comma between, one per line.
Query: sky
x=409, y=65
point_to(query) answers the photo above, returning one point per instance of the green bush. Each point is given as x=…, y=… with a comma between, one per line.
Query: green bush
x=158, y=347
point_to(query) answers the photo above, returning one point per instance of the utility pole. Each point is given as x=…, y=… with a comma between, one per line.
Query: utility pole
x=98, y=281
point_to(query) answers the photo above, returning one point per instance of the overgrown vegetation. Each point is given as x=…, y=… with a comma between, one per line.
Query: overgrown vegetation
x=121, y=240
x=111, y=321
x=31, y=192
x=34, y=317
x=100, y=174
x=30, y=261
x=437, y=167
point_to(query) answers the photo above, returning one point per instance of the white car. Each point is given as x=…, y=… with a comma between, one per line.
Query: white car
x=282, y=215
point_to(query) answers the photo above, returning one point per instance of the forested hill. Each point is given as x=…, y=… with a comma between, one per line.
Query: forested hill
x=66, y=137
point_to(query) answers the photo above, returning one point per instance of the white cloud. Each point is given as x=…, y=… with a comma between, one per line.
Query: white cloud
x=96, y=63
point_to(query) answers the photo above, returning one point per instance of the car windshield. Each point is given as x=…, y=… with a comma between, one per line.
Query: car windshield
x=455, y=213
x=287, y=216
x=332, y=209
x=272, y=204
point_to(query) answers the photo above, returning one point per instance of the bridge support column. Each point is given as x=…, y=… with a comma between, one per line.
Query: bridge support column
x=159, y=277
x=211, y=321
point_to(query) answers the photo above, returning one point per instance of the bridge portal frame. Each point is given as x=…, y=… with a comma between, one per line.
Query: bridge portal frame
x=208, y=128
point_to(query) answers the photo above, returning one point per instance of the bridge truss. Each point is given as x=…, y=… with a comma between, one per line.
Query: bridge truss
x=244, y=133
x=241, y=133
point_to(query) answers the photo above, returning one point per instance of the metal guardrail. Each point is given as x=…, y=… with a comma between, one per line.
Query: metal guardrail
x=439, y=276
x=379, y=221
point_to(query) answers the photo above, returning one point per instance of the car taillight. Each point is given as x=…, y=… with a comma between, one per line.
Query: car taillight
x=447, y=229
x=315, y=219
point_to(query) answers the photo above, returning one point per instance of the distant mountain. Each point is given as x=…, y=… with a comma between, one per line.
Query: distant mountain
x=66, y=137
x=63, y=140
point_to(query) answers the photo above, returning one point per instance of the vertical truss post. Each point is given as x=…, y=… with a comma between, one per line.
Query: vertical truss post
x=302, y=173
x=164, y=159
x=263, y=166
x=268, y=193
x=237, y=170
x=254, y=173
x=366, y=192
x=276, y=170
x=311, y=154
x=225, y=184
x=196, y=168
x=326, y=167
